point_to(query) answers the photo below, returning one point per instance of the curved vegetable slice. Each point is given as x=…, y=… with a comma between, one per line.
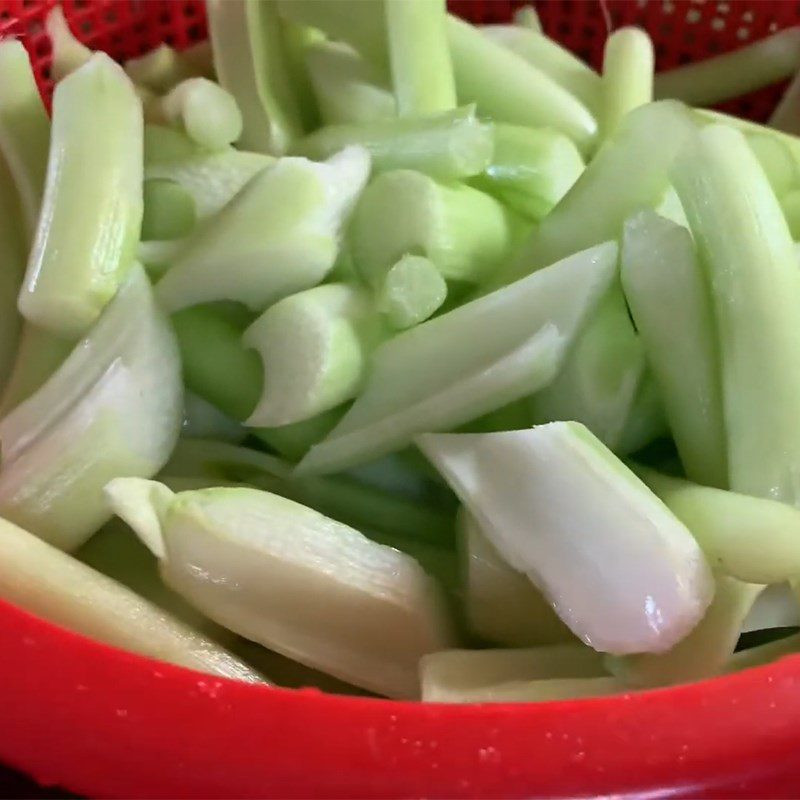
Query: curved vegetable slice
x=525, y=330
x=113, y=408
x=622, y=571
x=279, y=235
x=54, y=585
x=160, y=69
x=78, y=261
x=68, y=52
x=412, y=291
x=540, y=691
x=285, y=576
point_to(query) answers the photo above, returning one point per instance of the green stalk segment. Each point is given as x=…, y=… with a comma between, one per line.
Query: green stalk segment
x=526, y=17
x=24, y=129
x=412, y=292
x=315, y=346
x=786, y=116
x=531, y=169
x=646, y=421
x=669, y=299
x=790, y=204
x=422, y=72
x=169, y=211
x=78, y=261
x=746, y=247
x=780, y=166
x=448, y=145
x=68, y=52
x=628, y=66
x=160, y=69
x=509, y=89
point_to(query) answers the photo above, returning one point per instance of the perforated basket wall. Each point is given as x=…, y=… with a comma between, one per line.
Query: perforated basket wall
x=683, y=30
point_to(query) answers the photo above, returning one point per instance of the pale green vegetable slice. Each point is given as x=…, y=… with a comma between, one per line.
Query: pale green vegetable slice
x=551, y=58
x=628, y=64
x=527, y=17
x=202, y=420
x=287, y=577
x=169, y=210
x=452, y=384
x=202, y=108
x=114, y=407
x=704, y=652
x=501, y=604
x=251, y=63
x=68, y=52
x=601, y=375
x=735, y=73
x=419, y=57
x=53, y=585
x=531, y=169
x=315, y=346
x=750, y=538
x=78, y=261
x=786, y=116
x=509, y=89
x=669, y=298
x=24, y=129
x=279, y=235
x=646, y=421
x=630, y=172
x=412, y=291
x=540, y=691
x=790, y=205
x=452, y=676
x=160, y=69
x=465, y=232
x=776, y=159
x=619, y=568
x=348, y=90
x=755, y=291
x=449, y=145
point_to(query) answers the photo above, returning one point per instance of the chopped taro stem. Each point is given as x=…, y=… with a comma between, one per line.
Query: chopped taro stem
x=705, y=652
x=601, y=375
x=219, y=368
x=556, y=61
x=509, y=89
x=54, y=585
x=78, y=262
x=160, y=69
x=729, y=75
x=205, y=111
x=540, y=317
x=68, y=52
x=12, y=267
x=204, y=421
x=628, y=65
x=531, y=169
x=501, y=604
x=755, y=292
x=790, y=205
x=211, y=179
x=750, y=538
x=619, y=568
x=297, y=39
x=279, y=235
x=670, y=208
x=538, y=691
x=646, y=421
x=780, y=166
x=628, y=173
x=452, y=676
x=786, y=116
x=38, y=356
x=419, y=56
x=251, y=63
x=24, y=129
x=164, y=144
x=169, y=210
x=526, y=17
x=465, y=232
x=348, y=91
x=315, y=346
x=448, y=145
x=114, y=407
x=776, y=607
x=412, y=291
x=362, y=25
x=289, y=578
x=157, y=255
x=669, y=299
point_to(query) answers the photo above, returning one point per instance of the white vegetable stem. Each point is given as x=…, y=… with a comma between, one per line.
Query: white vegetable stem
x=287, y=577
x=53, y=585
x=412, y=291
x=622, y=572
x=525, y=331
x=279, y=235
x=68, y=52
x=113, y=408
x=79, y=260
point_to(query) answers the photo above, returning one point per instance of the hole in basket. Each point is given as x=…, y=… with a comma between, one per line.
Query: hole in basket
x=188, y=10
x=86, y=26
x=110, y=15
x=165, y=18
x=170, y=40
x=195, y=32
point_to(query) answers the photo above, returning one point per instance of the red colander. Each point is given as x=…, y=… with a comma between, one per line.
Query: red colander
x=103, y=722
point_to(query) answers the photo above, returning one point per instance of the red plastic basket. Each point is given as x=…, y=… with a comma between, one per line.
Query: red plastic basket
x=107, y=723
